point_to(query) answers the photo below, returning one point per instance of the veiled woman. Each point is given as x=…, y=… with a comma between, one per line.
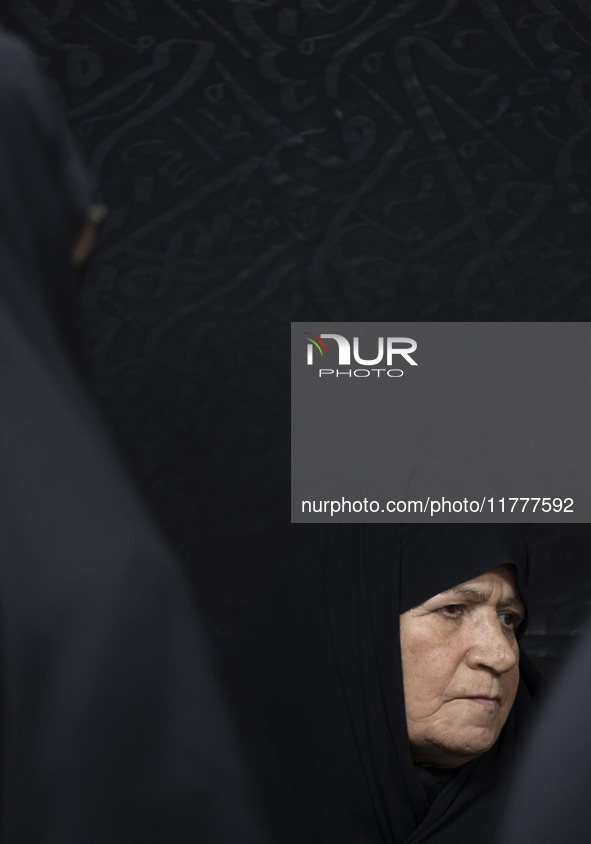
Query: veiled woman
x=378, y=674
x=113, y=726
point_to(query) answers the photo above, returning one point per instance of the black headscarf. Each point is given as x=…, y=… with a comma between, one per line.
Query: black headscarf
x=317, y=668
x=113, y=726
x=43, y=203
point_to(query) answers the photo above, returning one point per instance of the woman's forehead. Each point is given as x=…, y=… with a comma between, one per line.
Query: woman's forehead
x=499, y=583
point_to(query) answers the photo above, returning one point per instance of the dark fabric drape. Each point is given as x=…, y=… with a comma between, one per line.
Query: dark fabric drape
x=267, y=162
x=317, y=668
x=113, y=725
x=548, y=798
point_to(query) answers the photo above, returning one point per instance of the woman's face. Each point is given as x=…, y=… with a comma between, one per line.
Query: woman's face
x=460, y=668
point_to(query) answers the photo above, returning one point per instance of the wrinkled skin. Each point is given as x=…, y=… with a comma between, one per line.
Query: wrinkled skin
x=460, y=665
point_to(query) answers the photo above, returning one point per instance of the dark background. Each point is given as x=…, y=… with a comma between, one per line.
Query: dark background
x=267, y=161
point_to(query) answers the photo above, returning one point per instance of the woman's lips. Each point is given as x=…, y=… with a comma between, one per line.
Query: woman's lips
x=486, y=701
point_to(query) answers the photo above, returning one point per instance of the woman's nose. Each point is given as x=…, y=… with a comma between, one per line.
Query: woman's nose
x=492, y=646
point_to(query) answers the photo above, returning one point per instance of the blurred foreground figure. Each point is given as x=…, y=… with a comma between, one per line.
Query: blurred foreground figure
x=550, y=798
x=113, y=727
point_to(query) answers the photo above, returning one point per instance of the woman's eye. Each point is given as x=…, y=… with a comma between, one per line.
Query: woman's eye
x=452, y=610
x=512, y=620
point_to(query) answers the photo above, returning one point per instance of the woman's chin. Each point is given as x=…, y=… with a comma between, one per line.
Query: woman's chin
x=469, y=743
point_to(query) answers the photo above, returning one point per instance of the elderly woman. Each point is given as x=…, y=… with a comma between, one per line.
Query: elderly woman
x=380, y=686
